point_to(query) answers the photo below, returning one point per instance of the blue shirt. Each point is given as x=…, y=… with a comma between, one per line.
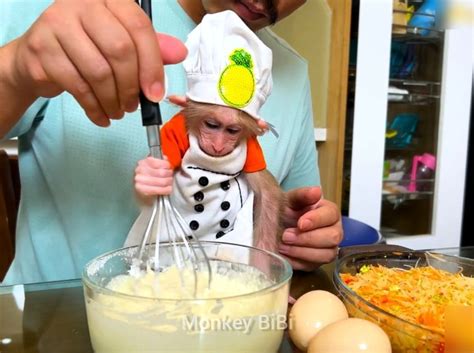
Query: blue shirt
x=77, y=198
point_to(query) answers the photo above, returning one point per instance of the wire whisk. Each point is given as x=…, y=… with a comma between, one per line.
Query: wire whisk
x=165, y=219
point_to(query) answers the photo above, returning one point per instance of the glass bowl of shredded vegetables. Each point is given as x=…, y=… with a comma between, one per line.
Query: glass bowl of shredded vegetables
x=407, y=293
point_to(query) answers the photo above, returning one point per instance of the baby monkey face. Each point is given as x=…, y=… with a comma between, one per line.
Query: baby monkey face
x=220, y=132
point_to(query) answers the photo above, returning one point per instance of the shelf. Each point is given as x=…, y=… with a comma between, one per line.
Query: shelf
x=414, y=99
x=389, y=233
x=399, y=189
x=413, y=92
x=416, y=195
x=402, y=31
x=395, y=200
x=410, y=149
x=432, y=86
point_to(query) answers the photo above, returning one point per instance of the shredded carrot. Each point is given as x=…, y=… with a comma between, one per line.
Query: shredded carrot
x=419, y=295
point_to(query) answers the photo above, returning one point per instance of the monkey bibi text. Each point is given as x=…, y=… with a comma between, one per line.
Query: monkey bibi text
x=244, y=325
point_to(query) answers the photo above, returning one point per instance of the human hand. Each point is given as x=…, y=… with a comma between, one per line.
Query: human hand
x=100, y=51
x=313, y=229
x=153, y=177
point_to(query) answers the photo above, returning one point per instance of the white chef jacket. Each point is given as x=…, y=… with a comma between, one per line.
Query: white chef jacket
x=211, y=194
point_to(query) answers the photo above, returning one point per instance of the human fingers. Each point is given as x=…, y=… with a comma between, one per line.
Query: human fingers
x=309, y=255
x=100, y=59
x=131, y=23
x=319, y=238
x=300, y=265
x=53, y=64
x=172, y=50
x=325, y=214
x=153, y=49
x=140, y=30
x=300, y=198
x=299, y=201
x=63, y=22
x=116, y=45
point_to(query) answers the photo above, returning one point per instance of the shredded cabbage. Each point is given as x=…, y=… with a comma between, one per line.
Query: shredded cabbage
x=419, y=295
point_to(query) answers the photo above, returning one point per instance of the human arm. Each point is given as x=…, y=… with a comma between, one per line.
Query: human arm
x=100, y=51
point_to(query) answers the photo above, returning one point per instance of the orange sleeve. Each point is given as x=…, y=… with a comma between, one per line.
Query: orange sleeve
x=174, y=140
x=255, y=160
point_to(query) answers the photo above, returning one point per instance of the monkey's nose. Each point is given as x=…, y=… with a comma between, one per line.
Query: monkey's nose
x=218, y=149
x=218, y=145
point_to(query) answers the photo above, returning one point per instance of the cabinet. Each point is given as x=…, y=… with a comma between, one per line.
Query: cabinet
x=407, y=132
x=9, y=199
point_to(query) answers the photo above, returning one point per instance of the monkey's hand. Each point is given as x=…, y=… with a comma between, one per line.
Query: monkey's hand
x=153, y=177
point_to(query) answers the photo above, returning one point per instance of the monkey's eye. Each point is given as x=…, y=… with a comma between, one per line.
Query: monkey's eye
x=233, y=130
x=211, y=124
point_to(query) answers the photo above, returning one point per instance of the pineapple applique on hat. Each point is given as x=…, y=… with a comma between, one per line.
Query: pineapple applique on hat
x=227, y=64
x=237, y=83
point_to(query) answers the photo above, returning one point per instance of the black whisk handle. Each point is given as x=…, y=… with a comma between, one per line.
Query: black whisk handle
x=151, y=113
x=146, y=6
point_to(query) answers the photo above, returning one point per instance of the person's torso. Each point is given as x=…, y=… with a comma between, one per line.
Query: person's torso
x=77, y=179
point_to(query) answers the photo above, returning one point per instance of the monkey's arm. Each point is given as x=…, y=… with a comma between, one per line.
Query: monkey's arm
x=269, y=203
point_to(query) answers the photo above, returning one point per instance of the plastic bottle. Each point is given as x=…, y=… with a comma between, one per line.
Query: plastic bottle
x=425, y=17
x=422, y=173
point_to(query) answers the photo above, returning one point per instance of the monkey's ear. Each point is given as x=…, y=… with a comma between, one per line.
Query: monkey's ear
x=178, y=100
x=263, y=126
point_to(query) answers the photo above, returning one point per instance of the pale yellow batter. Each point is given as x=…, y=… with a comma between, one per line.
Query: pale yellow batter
x=226, y=317
x=177, y=283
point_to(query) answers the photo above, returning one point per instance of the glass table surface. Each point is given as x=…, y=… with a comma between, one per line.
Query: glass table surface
x=50, y=317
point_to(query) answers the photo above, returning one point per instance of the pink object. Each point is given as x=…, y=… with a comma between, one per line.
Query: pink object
x=423, y=167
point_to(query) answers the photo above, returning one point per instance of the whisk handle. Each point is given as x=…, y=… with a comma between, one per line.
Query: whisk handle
x=154, y=141
x=151, y=113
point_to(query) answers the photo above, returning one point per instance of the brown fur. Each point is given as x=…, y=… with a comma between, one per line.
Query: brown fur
x=269, y=204
x=195, y=112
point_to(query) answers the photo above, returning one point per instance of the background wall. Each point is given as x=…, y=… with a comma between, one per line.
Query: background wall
x=320, y=32
x=308, y=31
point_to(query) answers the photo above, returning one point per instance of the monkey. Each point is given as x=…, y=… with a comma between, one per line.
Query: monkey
x=218, y=132
x=213, y=168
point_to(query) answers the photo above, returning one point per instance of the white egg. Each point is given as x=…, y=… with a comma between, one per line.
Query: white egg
x=310, y=313
x=350, y=336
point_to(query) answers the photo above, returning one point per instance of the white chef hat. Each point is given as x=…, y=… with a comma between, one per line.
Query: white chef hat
x=227, y=64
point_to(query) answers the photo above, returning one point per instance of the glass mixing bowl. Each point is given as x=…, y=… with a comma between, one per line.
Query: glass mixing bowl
x=405, y=337
x=250, y=322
